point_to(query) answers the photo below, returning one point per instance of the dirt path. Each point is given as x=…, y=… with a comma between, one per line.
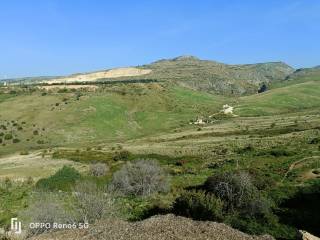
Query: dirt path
x=294, y=164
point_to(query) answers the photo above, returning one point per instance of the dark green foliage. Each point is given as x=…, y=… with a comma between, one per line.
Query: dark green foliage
x=198, y=205
x=63, y=90
x=63, y=180
x=301, y=210
x=8, y=136
x=248, y=148
x=315, y=140
x=263, y=88
x=35, y=132
x=40, y=142
x=15, y=140
x=279, y=152
x=121, y=155
x=276, y=152
x=235, y=189
x=233, y=198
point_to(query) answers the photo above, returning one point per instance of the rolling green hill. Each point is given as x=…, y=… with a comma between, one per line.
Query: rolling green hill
x=119, y=113
x=292, y=98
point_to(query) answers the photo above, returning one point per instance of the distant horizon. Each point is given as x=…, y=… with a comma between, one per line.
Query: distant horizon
x=55, y=38
x=105, y=69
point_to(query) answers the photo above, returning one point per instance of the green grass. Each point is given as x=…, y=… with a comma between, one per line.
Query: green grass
x=117, y=113
x=288, y=99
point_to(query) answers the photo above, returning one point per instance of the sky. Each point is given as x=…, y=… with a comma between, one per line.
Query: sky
x=59, y=37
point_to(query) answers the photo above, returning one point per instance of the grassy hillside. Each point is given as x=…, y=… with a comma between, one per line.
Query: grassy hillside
x=39, y=119
x=298, y=97
x=299, y=76
x=274, y=138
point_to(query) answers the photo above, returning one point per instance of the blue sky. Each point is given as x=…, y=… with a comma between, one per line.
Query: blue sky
x=52, y=37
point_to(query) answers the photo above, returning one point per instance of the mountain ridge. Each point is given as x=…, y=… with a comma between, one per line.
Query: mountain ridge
x=188, y=71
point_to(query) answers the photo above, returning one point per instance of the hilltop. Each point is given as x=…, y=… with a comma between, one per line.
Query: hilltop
x=212, y=76
x=187, y=71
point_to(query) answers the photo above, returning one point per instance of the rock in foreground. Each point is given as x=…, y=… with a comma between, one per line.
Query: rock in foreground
x=167, y=227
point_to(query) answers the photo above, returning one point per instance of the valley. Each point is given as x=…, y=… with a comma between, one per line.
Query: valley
x=273, y=136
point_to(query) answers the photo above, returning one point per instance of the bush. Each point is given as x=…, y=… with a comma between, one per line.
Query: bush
x=121, y=156
x=24, y=152
x=8, y=136
x=45, y=208
x=198, y=205
x=98, y=169
x=279, y=152
x=63, y=179
x=15, y=140
x=91, y=202
x=40, y=142
x=248, y=148
x=315, y=140
x=140, y=178
x=238, y=193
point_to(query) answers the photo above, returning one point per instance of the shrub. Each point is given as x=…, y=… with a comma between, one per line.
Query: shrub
x=16, y=140
x=63, y=90
x=140, y=178
x=63, y=179
x=40, y=142
x=248, y=148
x=45, y=208
x=98, y=169
x=235, y=189
x=279, y=152
x=121, y=156
x=198, y=205
x=8, y=136
x=91, y=202
x=315, y=140
x=35, y=132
